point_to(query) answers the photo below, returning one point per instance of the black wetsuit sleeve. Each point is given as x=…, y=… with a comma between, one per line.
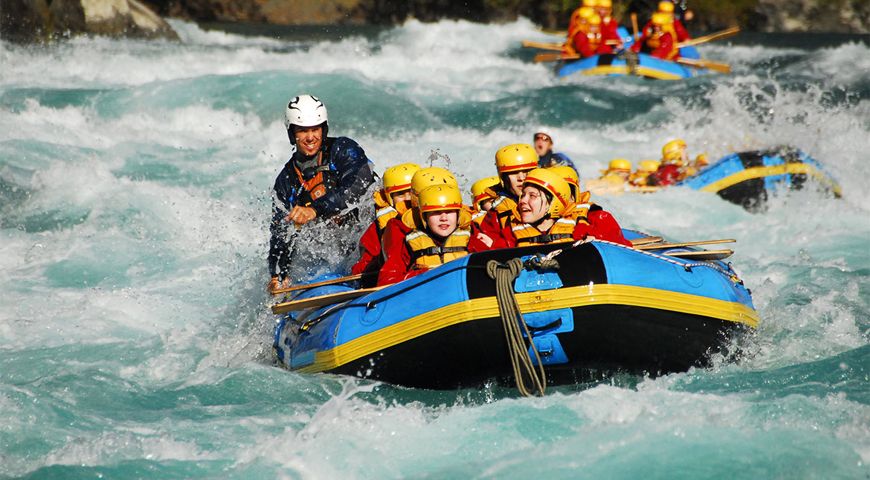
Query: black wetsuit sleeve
x=279, y=244
x=354, y=176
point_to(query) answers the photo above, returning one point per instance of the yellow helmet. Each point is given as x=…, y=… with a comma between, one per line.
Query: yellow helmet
x=585, y=12
x=672, y=152
x=648, y=166
x=518, y=157
x=619, y=164
x=660, y=18
x=398, y=178
x=569, y=175
x=426, y=177
x=666, y=7
x=478, y=189
x=589, y=3
x=604, y=3
x=553, y=183
x=594, y=20
x=701, y=160
x=437, y=198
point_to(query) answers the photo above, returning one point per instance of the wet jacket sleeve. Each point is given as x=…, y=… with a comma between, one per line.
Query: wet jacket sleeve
x=581, y=45
x=491, y=227
x=354, y=176
x=680, y=30
x=665, y=48
x=280, y=243
x=370, y=251
x=397, y=258
x=602, y=226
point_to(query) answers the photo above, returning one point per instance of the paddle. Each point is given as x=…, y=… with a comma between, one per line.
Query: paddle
x=701, y=63
x=635, y=33
x=555, y=57
x=703, y=254
x=544, y=45
x=557, y=46
x=322, y=300
x=324, y=283
x=645, y=246
x=646, y=240
x=728, y=32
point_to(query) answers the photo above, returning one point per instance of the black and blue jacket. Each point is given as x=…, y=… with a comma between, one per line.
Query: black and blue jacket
x=347, y=175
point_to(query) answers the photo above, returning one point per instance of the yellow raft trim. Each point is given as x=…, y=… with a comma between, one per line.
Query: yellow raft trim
x=623, y=70
x=569, y=297
x=759, y=172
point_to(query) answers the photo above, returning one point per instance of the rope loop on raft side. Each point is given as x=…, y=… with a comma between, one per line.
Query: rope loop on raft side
x=524, y=370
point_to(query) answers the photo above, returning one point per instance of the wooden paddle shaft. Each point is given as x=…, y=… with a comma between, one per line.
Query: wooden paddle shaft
x=306, y=286
x=685, y=244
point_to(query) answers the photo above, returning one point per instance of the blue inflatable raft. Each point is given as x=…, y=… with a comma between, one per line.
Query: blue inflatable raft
x=646, y=66
x=749, y=178
x=605, y=308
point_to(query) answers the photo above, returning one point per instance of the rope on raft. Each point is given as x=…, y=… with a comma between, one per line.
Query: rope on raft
x=512, y=320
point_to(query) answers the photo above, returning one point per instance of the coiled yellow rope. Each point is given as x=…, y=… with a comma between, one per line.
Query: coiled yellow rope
x=504, y=275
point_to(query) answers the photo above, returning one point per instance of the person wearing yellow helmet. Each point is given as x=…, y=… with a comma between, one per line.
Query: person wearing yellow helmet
x=482, y=193
x=543, y=142
x=588, y=39
x=392, y=201
x=695, y=166
x=512, y=162
x=673, y=167
x=660, y=39
x=569, y=175
x=546, y=214
x=609, y=25
x=437, y=231
x=618, y=170
x=586, y=8
x=644, y=170
x=323, y=177
x=669, y=8
x=482, y=196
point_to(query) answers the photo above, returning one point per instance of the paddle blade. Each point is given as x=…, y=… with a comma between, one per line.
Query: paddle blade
x=557, y=47
x=321, y=300
x=702, y=254
x=307, y=286
x=646, y=246
x=646, y=241
x=708, y=64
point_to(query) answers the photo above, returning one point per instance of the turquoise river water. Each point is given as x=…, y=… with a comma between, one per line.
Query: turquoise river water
x=134, y=201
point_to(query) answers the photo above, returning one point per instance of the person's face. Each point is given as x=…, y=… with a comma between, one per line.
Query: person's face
x=603, y=12
x=308, y=139
x=684, y=156
x=533, y=204
x=516, y=180
x=442, y=223
x=401, y=200
x=486, y=205
x=543, y=144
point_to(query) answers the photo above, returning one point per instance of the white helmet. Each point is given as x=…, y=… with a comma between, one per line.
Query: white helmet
x=546, y=131
x=304, y=111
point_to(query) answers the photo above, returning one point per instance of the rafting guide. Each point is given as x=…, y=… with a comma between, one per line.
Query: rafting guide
x=323, y=176
x=543, y=142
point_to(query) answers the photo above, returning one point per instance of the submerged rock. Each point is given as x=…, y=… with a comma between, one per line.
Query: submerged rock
x=26, y=21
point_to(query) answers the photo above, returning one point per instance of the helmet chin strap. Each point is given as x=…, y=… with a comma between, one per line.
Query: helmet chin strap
x=541, y=220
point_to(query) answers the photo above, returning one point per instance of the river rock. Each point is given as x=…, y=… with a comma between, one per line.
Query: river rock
x=843, y=16
x=26, y=21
